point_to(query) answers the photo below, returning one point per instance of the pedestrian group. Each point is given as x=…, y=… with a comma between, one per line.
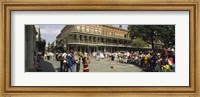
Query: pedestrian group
x=70, y=61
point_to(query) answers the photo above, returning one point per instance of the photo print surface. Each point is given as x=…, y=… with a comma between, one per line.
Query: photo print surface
x=99, y=48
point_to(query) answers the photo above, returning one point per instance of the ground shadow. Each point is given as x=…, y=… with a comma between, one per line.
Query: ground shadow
x=46, y=66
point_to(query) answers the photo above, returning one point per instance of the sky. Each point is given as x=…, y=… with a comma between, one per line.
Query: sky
x=50, y=31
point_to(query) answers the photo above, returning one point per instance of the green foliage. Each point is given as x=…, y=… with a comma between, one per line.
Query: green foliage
x=139, y=42
x=165, y=33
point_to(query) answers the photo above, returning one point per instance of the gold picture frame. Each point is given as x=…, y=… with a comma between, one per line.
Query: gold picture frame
x=120, y=5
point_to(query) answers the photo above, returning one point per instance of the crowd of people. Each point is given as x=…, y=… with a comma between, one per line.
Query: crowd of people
x=148, y=60
x=49, y=55
x=70, y=61
x=37, y=56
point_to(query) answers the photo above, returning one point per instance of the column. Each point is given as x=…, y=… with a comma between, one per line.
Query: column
x=104, y=40
x=78, y=38
x=89, y=49
x=118, y=42
x=97, y=48
x=84, y=49
x=68, y=47
x=83, y=39
x=81, y=49
x=92, y=40
x=76, y=47
x=97, y=40
x=74, y=38
x=87, y=39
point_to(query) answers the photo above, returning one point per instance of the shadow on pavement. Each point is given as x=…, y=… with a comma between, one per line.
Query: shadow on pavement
x=46, y=66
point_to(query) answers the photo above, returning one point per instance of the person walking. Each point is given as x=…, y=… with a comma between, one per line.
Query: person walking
x=77, y=58
x=86, y=62
x=70, y=63
x=36, y=61
x=48, y=56
x=60, y=58
x=65, y=60
x=158, y=63
x=146, y=61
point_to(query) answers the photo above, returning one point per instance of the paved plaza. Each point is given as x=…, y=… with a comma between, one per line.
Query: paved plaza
x=104, y=65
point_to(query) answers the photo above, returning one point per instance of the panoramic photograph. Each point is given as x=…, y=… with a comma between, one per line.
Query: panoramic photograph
x=99, y=48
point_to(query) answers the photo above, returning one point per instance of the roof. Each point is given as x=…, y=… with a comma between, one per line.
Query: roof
x=115, y=27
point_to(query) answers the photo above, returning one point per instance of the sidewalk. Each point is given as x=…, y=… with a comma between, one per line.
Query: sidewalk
x=46, y=66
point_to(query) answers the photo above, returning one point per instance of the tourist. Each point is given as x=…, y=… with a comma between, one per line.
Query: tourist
x=146, y=61
x=98, y=56
x=140, y=57
x=94, y=54
x=166, y=64
x=77, y=58
x=48, y=55
x=56, y=56
x=112, y=57
x=171, y=59
x=65, y=60
x=101, y=55
x=85, y=54
x=153, y=61
x=158, y=63
x=86, y=62
x=51, y=55
x=70, y=63
x=60, y=58
x=36, y=61
x=45, y=55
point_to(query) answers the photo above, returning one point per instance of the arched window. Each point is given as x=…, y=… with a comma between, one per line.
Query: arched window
x=100, y=32
x=78, y=28
x=83, y=28
x=92, y=29
x=95, y=30
x=87, y=29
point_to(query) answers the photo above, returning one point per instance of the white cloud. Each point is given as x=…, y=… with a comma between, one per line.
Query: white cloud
x=51, y=29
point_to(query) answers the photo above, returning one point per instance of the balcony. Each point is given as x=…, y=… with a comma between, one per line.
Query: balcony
x=95, y=43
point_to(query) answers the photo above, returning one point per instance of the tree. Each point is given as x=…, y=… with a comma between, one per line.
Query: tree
x=165, y=33
x=168, y=35
x=144, y=31
x=139, y=42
